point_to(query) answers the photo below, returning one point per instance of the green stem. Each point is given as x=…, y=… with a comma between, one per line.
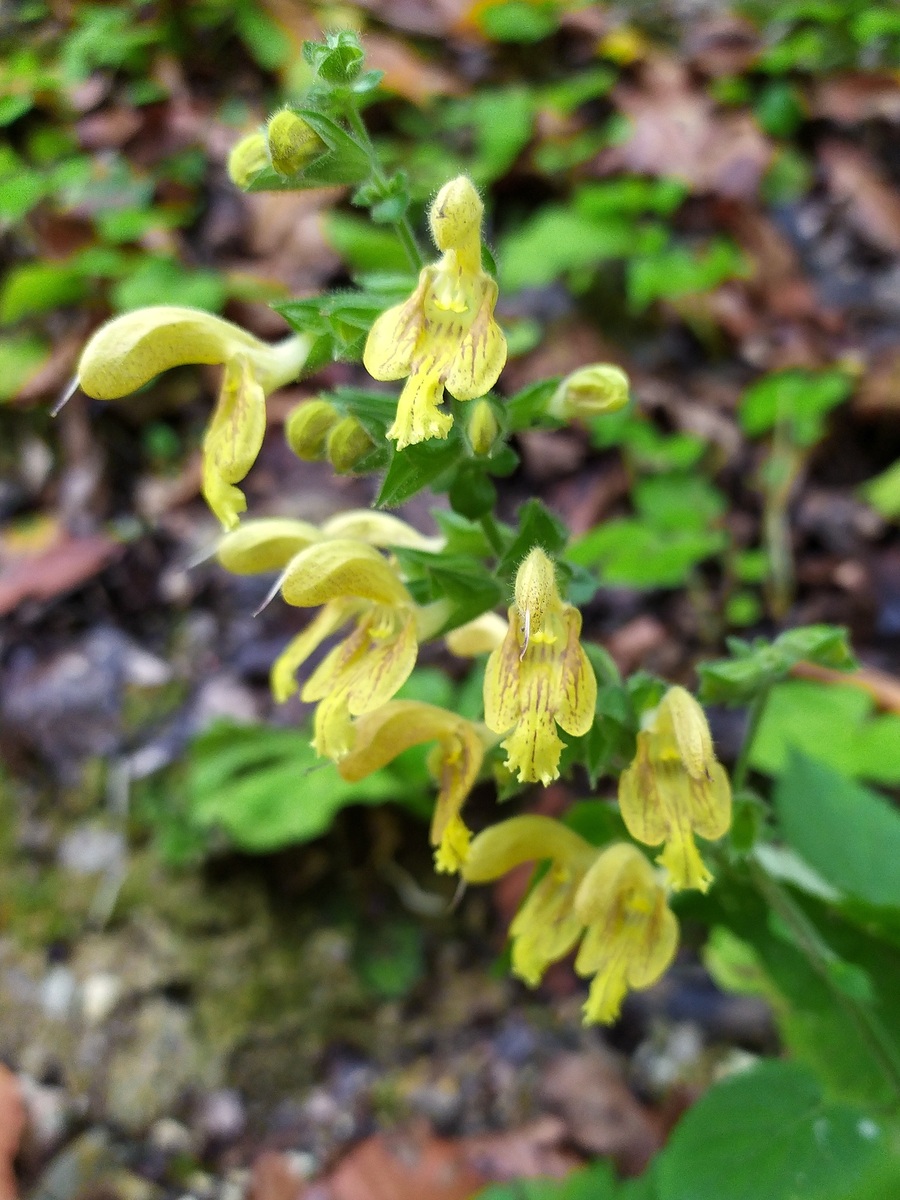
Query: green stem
x=403, y=227
x=754, y=717
x=821, y=957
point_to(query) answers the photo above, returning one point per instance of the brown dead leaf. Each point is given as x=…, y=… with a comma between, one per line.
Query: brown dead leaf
x=632, y=642
x=407, y=73
x=878, y=391
x=851, y=99
x=111, y=127
x=871, y=204
x=434, y=18
x=722, y=45
x=64, y=564
x=55, y=373
x=601, y=1114
x=274, y=1177
x=677, y=131
x=12, y=1126
x=532, y=1151
x=408, y=1165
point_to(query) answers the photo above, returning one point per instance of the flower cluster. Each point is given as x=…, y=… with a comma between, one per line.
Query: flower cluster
x=609, y=902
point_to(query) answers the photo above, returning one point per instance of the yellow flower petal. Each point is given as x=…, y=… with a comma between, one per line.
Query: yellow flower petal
x=501, y=680
x=578, y=683
x=324, y=624
x=234, y=437
x=393, y=338
x=341, y=567
x=266, y=544
x=419, y=417
x=481, y=353
x=529, y=838
x=546, y=927
x=360, y=675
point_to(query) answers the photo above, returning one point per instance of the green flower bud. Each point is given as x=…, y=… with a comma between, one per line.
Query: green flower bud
x=590, y=392
x=307, y=429
x=247, y=157
x=483, y=427
x=292, y=142
x=348, y=442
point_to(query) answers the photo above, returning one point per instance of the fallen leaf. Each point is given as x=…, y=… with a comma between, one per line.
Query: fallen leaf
x=871, y=204
x=275, y=1177
x=408, y=1165
x=407, y=73
x=722, y=45
x=878, y=391
x=851, y=99
x=601, y=1114
x=678, y=132
x=54, y=569
x=529, y=1152
x=12, y=1126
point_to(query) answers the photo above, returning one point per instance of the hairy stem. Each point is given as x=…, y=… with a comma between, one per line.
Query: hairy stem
x=402, y=226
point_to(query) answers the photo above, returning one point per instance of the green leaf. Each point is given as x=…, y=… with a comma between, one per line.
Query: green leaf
x=767, y=1132
x=754, y=667
x=339, y=59
x=834, y=724
x=363, y=246
x=468, y=585
x=798, y=397
x=679, y=502
x=537, y=526
x=266, y=788
x=529, y=406
x=883, y=492
x=20, y=356
x=428, y=464
x=518, y=21
x=157, y=280
x=634, y=553
x=36, y=287
x=846, y=832
x=558, y=240
x=390, y=958
x=678, y=271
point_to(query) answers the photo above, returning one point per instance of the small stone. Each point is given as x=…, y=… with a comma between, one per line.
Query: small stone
x=221, y=1116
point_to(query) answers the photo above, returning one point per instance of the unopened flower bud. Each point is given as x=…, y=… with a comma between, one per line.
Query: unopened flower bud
x=590, y=392
x=292, y=142
x=535, y=590
x=456, y=213
x=483, y=427
x=247, y=158
x=348, y=442
x=307, y=429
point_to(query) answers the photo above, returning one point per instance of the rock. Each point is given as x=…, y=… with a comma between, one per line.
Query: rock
x=157, y=1063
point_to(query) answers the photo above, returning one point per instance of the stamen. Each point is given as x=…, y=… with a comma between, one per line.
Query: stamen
x=527, y=632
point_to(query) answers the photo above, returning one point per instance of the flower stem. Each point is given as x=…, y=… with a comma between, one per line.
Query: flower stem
x=754, y=718
x=402, y=226
x=822, y=958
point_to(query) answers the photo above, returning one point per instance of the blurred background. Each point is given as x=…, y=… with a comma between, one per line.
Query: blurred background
x=206, y=984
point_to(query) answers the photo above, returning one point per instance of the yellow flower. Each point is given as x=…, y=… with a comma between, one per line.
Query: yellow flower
x=380, y=736
x=610, y=898
x=675, y=788
x=547, y=926
x=631, y=933
x=353, y=582
x=444, y=335
x=478, y=636
x=128, y=351
x=540, y=676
